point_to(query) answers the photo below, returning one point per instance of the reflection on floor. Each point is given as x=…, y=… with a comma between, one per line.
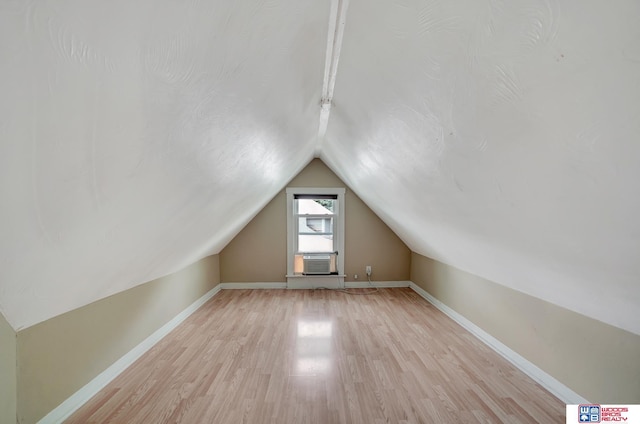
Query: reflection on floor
x=313, y=347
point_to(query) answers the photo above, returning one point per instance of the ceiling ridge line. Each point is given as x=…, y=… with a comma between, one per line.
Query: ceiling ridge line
x=337, y=19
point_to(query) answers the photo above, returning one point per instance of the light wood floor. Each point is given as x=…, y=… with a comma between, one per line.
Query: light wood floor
x=302, y=356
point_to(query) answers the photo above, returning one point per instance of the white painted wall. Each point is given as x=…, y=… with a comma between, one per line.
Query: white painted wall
x=138, y=137
x=501, y=138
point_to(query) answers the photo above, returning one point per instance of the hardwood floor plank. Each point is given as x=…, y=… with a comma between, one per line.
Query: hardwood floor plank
x=303, y=356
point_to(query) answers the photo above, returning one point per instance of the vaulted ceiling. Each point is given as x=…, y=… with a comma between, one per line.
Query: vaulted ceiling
x=502, y=138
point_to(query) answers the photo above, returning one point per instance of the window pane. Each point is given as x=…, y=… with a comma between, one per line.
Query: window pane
x=316, y=206
x=315, y=225
x=315, y=243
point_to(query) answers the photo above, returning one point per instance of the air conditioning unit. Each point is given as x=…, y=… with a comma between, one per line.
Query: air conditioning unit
x=317, y=264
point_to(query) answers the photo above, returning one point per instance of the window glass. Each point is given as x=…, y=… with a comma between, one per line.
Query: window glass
x=315, y=225
x=315, y=243
x=315, y=221
x=315, y=206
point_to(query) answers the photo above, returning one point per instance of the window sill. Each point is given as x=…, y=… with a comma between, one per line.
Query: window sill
x=315, y=281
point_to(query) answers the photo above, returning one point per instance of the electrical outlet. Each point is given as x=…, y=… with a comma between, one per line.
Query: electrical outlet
x=368, y=269
x=355, y=277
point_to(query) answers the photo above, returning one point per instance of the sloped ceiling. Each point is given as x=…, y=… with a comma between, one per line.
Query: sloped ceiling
x=498, y=137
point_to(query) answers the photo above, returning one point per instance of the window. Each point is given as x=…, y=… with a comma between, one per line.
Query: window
x=315, y=221
x=315, y=243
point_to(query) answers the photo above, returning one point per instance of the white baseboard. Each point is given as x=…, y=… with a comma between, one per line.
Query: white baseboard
x=311, y=283
x=236, y=286
x=324, y=283
x=380, y=284
x=79, y=398
x=558, y=389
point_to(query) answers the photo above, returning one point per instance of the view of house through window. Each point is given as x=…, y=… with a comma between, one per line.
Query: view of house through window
x=315, y=225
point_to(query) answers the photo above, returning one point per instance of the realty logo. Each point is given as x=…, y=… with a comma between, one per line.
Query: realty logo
x=588, y=413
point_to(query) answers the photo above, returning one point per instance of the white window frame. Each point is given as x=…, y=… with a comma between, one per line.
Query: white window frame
x=338, y=216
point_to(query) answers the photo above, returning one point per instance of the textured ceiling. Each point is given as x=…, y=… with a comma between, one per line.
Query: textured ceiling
x=499, y=137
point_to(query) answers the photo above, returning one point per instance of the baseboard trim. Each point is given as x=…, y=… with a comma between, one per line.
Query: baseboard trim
x=347, y=284
x=558, y=389
x=244, y=286
x=79, y=398
x=379, y=284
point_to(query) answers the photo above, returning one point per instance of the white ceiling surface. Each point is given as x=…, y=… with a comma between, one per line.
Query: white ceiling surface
x=499, y=137
x=139, y=136
x=502, y=138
